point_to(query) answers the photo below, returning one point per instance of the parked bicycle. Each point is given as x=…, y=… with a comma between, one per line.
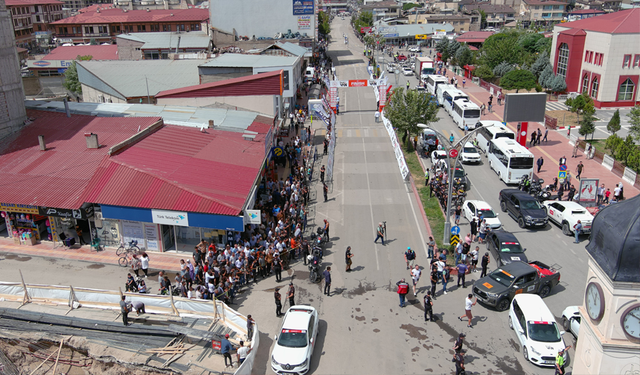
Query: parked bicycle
x=131, y=249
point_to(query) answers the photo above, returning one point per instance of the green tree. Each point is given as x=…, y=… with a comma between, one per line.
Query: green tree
x=502, y=69
x=626, y=149
x=633, y=161
x=453, y=47
x=558, y=84
x=364, y=19
x=587, y=125
x=541, y=63
x=546, y=77
x=483, y=19
x=501, y=47
x=581, y=104
x=484, y=72
x=442, y=45
x=634, y=121
x=407, y=6
x=71, y=82
x=528, y=41
x=464, y=56
x=612, y=144
x=614, y=124
x=323, y=23
x=518, y=79
x=407, y=109
x=544, y=45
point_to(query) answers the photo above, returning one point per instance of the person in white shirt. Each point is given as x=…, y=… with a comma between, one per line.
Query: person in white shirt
x=468, y=303
x=415, y=277
x=242, y=352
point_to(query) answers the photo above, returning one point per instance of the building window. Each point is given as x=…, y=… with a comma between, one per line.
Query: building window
x=585, y=83
x=142, y=28
x=586, y=56
x=166, y=27
x=626, y=90
x=636, y=61
x=601, y=58
x=563, y=59
x=626, y=62
x=594, y=88
x=116, y=28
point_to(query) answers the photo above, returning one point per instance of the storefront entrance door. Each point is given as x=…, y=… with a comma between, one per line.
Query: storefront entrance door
x=168, y=238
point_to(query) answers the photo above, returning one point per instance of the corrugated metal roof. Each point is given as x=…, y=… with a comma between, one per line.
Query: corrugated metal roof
x=268, y=83
x=253, y=61
x=98, y=52
x=164, y=40
x=116, y=15
x=292, y=48
x=621, y=22
x=32, y=2
x=58, y=176
x=130, y=78
x=182, y=169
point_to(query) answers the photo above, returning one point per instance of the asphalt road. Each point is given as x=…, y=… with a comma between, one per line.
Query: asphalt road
x=362, y=328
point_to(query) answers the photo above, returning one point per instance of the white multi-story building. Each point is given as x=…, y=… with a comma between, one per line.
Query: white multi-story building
x=600, y=56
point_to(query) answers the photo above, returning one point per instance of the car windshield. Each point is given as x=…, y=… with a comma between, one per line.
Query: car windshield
x=293, y=338
x=487, y=214
x=510, y=247
x=459, y=173
x=502, y=277
x=470, y=150
x=530, y=204
x=440, y=156
x=543, y=331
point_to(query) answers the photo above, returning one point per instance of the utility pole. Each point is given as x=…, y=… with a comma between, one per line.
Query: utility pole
x=148, y=97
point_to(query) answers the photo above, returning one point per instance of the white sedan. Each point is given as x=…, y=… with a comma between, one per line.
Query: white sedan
x=571, y=320
x=566, y=214
x=407, y=71
x=474, y=209
x=294, y=345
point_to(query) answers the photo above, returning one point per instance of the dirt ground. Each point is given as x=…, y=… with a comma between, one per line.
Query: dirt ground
x=28, y=355
x=565, y=118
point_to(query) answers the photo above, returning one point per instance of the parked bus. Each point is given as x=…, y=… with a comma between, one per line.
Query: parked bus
x=433, y=80
x=491, y=130
x=450, y=96
x=510, y=160
x=440, y=90
x=465, y=112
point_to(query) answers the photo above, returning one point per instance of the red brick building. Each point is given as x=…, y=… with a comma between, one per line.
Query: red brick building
x=103, y=23
x=31, y=19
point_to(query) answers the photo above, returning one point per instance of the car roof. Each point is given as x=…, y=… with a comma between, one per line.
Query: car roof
x=480, y=204
x=570, y=205
x=534, y=308
x=504, y=236
x=297, y=317
x=517, y=192
x=469, y=144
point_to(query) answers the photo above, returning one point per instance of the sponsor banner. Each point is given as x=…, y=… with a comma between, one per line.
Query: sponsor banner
x=304, y=22
x=303, y=7
x=21, y=208
x=170, y=217
x=54, y=64
x=252, y=217
x=358, y=83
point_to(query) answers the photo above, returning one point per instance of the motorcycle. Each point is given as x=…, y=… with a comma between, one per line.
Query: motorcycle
x=524, y=184
x=314, y=267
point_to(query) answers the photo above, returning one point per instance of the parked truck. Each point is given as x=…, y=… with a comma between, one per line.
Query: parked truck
x=424, y=66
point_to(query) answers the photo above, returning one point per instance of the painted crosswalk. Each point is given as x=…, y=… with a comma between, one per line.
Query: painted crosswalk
x=555, y=106
x=367, y=132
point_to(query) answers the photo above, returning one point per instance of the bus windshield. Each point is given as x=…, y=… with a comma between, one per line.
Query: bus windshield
x=472, y=113
x=521, y=163
x=505, y=135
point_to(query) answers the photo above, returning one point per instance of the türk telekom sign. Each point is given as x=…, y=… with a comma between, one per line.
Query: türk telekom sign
x=170, y=218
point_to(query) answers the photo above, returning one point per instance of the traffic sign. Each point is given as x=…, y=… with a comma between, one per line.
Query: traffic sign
x=562, y=175
x=563, y=167
x=455, y=230
x=455, y=239
x=453, y=153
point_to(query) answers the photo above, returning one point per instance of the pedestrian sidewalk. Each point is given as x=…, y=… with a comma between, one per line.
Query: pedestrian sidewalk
x=552, y=150
x=169, y=261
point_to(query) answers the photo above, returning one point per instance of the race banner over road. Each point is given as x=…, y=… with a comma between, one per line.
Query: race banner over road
x=334, y=85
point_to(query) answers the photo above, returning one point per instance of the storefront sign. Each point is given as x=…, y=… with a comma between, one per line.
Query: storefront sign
x=151, y=234
x=22, y=208
x=80, y=214
x=304, y=22
x=252, y=217
x=49, y=64
x=301, y=7
x=170, y=217
x=133, y=231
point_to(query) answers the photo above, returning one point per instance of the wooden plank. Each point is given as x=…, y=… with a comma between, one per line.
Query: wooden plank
x=57, y=357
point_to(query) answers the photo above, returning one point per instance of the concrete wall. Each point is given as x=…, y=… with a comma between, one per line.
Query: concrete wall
x=262, y=18
x=257, y=103
x=127, y=49
x=12, y=111
x=92, y=95
x=213, y=74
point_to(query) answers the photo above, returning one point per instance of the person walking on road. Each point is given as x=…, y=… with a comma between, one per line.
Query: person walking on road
x=124, y=310
x=579, y=169
x=426, y=177
x=457, y=345
x=325, y=191
x=482, y=108
x=250, y=323
x=484, y=263
x=327, y=281
x=428, y=307
x=532, y=142
x=409, y=257
x=291, y=294
x=468, y=304
x=462, y=271
x=380, y=234
x=144, y=263
x=322, y=170
x=347, y=259
x=403, y=290
x=459, y=360
x=415, y=277
x=546, y=133
x=539, y=137
x=278, y=298
x=560, y=360
x=431, y=247
x=577, y=228
x=600, y=195
x=225, y=349
x=571, y=194
x=434, y=280
x=540, y=162
x=562, y=161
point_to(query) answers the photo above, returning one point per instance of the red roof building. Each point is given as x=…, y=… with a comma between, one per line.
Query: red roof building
x=600, y=56
x=59, y=59
x=474, y=38
x=31, y=16
x=104, y=23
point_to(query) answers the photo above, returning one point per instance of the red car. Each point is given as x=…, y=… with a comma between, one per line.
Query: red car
x=402, y=57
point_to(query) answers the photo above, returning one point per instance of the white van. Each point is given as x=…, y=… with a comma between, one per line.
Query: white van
x=490, y=130
x=432, y=82
x=451, y=95
x=465, y=112
x=440, y=90
x=310, y=72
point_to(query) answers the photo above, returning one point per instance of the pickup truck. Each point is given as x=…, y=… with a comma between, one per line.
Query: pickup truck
x=499, y=287
x=523, y=207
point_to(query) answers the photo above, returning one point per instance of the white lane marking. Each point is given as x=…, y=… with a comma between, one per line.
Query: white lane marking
x=373, y=224
x=574, y=253
x=415, y=217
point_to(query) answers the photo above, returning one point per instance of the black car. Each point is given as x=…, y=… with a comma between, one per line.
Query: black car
x=462, y=176
x=526, y=209
x=505, y=247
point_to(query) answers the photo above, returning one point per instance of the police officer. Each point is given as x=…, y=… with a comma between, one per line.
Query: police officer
x=428, y=306
x=291, y=294
x=277, y=297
